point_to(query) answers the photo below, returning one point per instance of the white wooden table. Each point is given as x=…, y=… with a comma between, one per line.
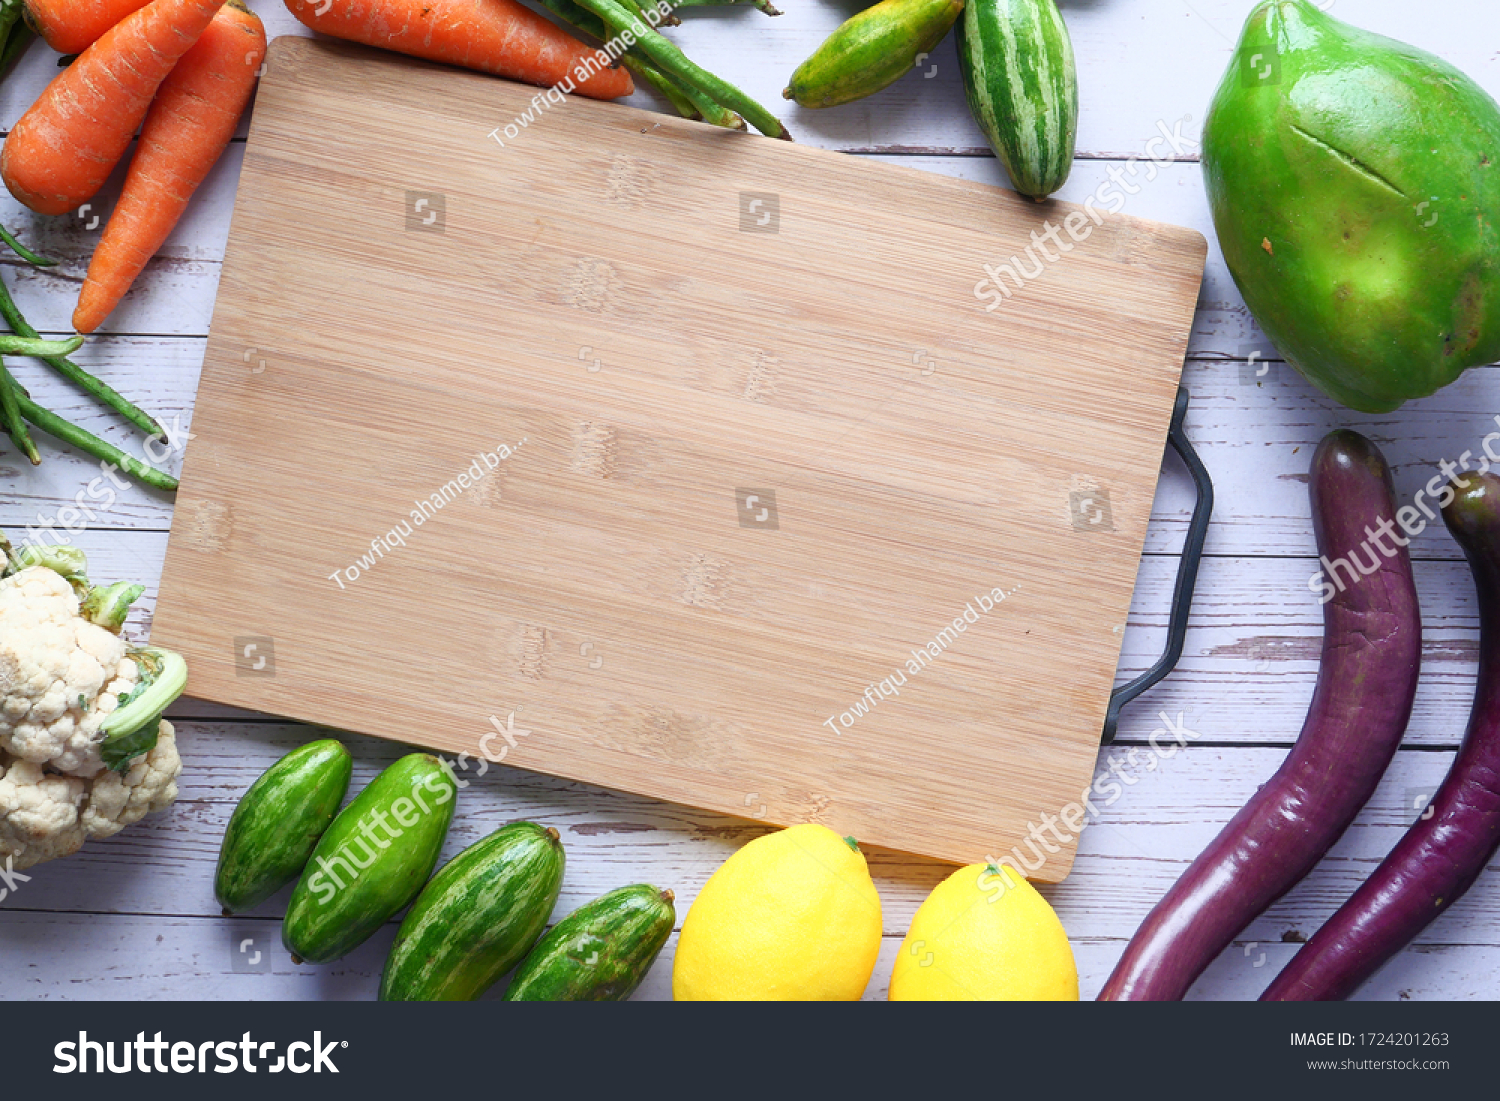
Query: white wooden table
x=134, y=917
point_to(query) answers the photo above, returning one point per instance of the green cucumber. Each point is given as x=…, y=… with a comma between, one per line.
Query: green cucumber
x=278, y=822
x=600, y=952
x=872, y=50
x=477, y=918
x=1016, y=60
x=357, y=880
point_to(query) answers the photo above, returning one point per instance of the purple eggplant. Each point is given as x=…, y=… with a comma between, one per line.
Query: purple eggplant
x=1372, y=639
x=1442, y=855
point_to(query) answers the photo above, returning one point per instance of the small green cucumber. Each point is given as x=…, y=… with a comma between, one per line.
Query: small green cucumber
x=871, y=51
x=477, y=917
x=1016, y=60
x=278, y=822
x=600, y=952
x=357, y=880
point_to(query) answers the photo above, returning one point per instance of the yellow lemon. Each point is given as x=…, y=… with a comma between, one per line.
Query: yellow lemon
x=984, y=935
x=793, y=916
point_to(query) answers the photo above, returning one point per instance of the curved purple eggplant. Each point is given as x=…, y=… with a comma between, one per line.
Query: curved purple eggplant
x=1442, y=855
x=1368, y=677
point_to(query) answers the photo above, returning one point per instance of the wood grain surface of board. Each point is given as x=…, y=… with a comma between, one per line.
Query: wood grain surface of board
x=674, y=460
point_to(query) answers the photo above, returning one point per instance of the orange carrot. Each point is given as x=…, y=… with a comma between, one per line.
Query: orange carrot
x=68, y=142
x=493, y=36
x=190, y=122
x=72, y=26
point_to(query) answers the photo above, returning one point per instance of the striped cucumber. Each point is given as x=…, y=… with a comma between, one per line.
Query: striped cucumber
x=372, y=861
x=1017, y=65
x=278, y=822
x=872, y=50
x=477, y=918
x=600, y=952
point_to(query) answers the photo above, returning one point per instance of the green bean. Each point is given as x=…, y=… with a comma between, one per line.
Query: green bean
x=50, y=423
x=77, y=375
x=664, y=84
x=12, y=345
x=23, y=252
x=590, y=24
x=635, y=8
x=675, y=63
x=712, y=112
x=574, y=16
x=763, y=5
x=11, y=406
x=689, y=101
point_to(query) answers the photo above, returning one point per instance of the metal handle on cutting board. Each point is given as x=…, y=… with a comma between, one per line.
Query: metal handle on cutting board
x=1187, y=572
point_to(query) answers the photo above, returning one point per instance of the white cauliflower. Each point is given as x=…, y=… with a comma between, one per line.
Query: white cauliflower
x=118, y=799
x=44, y=815
x=60, y=674
x=83, y=749
x=38, y=813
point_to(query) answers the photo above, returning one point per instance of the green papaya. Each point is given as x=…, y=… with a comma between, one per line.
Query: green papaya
x=1355, y=189
x=872, y=50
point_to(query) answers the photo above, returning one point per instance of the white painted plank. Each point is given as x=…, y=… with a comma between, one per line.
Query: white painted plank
x=147, y=893
x=160, y=375
x=1127, y=859
x=128, y=958
x=175, y=294
x=1251, y=654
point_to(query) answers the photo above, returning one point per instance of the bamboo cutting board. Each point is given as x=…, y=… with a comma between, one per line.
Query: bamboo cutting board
x=692, y=460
